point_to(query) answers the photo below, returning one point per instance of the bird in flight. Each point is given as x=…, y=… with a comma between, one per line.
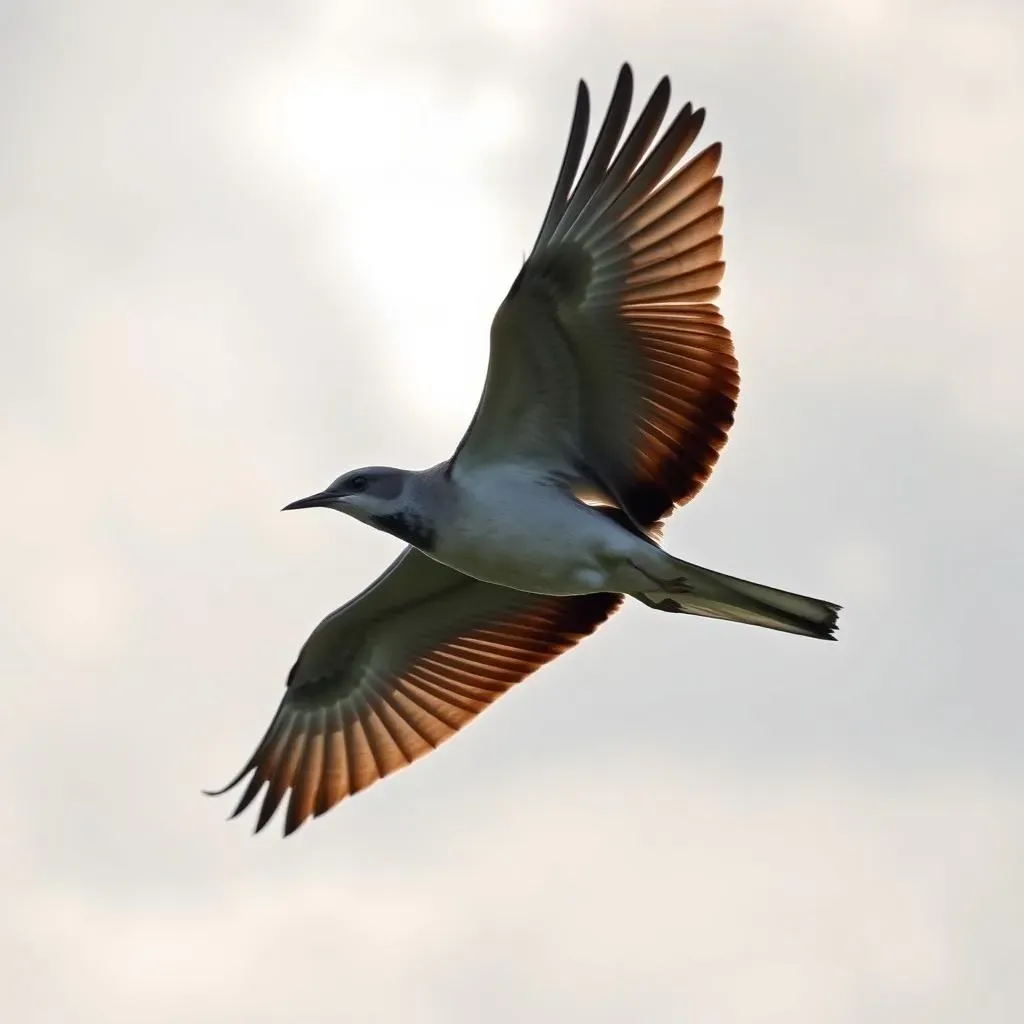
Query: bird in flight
x=610, y=389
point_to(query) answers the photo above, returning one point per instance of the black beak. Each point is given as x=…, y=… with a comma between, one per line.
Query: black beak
x=322, y=499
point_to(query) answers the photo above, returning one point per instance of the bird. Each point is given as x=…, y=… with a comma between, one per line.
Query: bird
x=609, y=393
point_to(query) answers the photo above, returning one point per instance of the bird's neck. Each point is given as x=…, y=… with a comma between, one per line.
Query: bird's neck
x=409, y=525
x=409, y=520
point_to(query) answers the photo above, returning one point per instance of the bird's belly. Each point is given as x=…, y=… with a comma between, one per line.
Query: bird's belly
x=538, y=569
x=548, y=544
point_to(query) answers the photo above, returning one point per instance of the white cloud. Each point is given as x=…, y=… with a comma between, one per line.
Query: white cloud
x=610, y=884
x=404, y=183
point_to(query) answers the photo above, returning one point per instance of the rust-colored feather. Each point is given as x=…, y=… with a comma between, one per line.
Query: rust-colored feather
x=327, y=744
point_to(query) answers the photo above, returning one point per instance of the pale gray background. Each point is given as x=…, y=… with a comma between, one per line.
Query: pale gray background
x=247, y=245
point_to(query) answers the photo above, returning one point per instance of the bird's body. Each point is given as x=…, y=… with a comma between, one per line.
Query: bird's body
x=526, y=528
x=518, y=528
x=610, y=390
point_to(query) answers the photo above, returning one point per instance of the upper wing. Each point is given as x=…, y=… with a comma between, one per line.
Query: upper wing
x=607, y=355
x=393, y=673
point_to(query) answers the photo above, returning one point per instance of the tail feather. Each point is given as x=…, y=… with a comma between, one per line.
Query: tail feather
x=714, y=595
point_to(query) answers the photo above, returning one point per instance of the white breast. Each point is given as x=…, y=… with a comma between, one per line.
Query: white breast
x=510, y=528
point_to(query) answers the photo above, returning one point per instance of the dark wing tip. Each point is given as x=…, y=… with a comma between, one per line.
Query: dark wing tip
x=234, y=782
x=267, y=809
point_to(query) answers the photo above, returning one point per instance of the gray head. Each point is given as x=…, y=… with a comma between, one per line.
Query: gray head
x=380, y=496
x=362, y=493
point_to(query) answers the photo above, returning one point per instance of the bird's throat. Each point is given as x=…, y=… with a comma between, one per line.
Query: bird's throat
x=410, y=527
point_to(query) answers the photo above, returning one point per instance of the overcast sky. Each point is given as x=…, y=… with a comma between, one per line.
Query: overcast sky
x=246, y=246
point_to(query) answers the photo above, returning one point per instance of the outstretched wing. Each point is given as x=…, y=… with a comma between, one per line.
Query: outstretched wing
x=393, y=673
x=608, y=358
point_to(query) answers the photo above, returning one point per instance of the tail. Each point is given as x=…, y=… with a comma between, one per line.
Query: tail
x=714, y=595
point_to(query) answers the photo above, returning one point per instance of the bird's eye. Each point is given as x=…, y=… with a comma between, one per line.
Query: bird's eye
x=357, y=483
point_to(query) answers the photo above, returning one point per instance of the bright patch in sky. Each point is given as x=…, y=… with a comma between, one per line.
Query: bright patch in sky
x=404, y=166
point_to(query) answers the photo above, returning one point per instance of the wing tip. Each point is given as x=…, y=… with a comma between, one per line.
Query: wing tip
x=231, y=785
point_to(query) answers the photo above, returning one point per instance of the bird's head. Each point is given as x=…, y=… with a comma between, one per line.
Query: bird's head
x=371, y=495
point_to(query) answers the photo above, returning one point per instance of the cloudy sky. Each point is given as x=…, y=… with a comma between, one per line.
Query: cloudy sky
x=246, y=246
